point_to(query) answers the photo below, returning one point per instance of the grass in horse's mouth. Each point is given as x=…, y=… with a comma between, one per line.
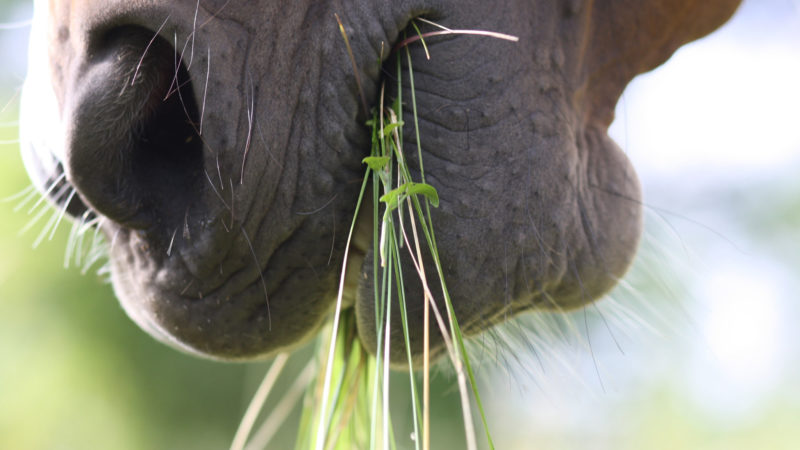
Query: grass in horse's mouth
x=350, y=392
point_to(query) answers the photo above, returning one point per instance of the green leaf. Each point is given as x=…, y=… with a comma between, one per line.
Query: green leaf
x=396, y=106
x=376, y=162
x=387, y=130
x=424, y=189
x=392, y=198
x=396, y=195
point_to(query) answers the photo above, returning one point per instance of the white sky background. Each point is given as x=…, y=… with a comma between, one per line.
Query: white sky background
x=723, y=116
x=14, y=45
x=726, y=106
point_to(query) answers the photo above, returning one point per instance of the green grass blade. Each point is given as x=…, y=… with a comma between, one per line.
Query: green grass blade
x=256, y=405
x=430, y=237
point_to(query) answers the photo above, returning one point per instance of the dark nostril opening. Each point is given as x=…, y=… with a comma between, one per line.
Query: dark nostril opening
x=167, y=154
x=134, y=152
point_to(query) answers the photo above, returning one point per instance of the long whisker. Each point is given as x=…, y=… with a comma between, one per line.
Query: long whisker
x=80, y=252
x=215, y=14
x=267, y=147
x=84, y=225
x=26, y=191
x=315, y=211
x=233, y=204
x=62, y=213
x=176, y=85
x=176, y=62
x=11, y=100
x=95, y=222
x=205, y=91
x=144, y=53
x=30, y=196
x=43, y=208
x=260, y=274
x=47, y=192
x=250, y=113
x=219, y=173
x=189, y=117
x=194, y=33
x=214, y=188
x=97, y=251
x=48, y=226
x=171, y=241
x=69, y=252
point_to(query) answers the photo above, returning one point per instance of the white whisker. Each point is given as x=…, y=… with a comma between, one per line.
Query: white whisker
x=80, y=253
x=113, y=240
x=186, y=234
x=47, y=192
x=90, y=224
x=62, y=213
x=48, y=226
x=591, y=350
x=250, y=113
x=24, y=192
x=267, y=147
x=171, y=241
x=233, y=205
x=71, y=240
x=11, y=100
x=42, y=210
x=260, y=274
x=213, y=188
x=194, y=34
x=97, y=251
x=186, y=288
x=219, y=173
x=205, y=91
x=144, y=53
x=30, y=196
x=176, y=86
x=189, y=117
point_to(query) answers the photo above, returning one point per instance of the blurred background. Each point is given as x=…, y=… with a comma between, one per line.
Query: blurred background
x=699, y=348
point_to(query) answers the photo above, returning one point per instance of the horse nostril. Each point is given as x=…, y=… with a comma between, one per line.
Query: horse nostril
x=133, y=153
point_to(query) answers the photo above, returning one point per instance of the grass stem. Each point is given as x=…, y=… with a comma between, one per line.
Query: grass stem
x=250, y=416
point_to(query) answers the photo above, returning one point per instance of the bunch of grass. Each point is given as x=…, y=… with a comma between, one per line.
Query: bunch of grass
x=347, y=404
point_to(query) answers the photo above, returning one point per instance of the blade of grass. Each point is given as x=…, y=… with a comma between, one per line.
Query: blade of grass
x=323, y=419
x=353, y=62
x=426, y=366
x=388, y=142
x=492, y=34
x=260, y=397
x=432, y=246
x=266, y=431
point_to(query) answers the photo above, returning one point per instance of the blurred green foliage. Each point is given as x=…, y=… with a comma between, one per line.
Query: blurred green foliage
x=75, y=372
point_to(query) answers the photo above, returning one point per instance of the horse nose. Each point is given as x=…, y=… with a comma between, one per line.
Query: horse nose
x=132, y=149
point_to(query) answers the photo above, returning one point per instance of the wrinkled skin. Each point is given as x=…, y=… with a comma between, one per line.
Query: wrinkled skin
x=224, y=155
